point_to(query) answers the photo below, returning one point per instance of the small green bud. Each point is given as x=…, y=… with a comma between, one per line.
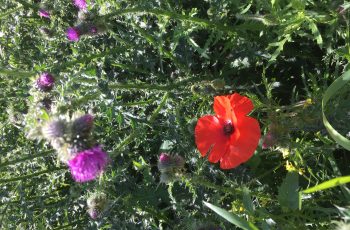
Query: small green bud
x=218, y=84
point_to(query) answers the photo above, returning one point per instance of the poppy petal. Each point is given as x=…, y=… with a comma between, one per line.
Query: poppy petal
x=242, y=148
x=241, y=104
x=210, y=137
x=222, y=107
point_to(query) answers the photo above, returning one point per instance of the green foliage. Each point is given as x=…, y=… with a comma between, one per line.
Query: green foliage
x=328, y=184
x=288, y=195
x=232, y=218
x=146, y=80
x=331, y=91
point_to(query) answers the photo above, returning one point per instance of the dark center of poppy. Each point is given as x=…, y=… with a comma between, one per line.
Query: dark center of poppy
x=228, y=128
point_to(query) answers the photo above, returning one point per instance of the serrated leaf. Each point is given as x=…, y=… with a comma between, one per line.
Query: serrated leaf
x=298, y=4
x=288, y=195
x=201, y=51
x=247, y=200
x=166, y=146
x=137, y=165
x=316, y=33
x=44, y=115
x=231, y=217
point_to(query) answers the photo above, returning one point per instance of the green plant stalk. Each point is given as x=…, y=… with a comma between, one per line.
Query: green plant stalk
x=10, y=12
x=29, y=157
x=70, y=225
x=141, y=86
x=25, y=177
x=167, y=88
x=160, y=106
x=131, y=68
x=164, y=13
x=61, y=67
x=233, y=191
x=27, y=199
x=29, y=5
x=16, y=72
x=138, y=103
x=205, y=183
x=124, y=142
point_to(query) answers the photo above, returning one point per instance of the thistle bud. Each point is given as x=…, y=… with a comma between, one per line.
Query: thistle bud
x=195, y=89
x=179, y=161
x=96, y=203
x=164, y=158
x=46, y=103
x=166, y=178
x=82, y=126
x=54, y=129
x=84, y=28
x=44, y=10
x=269, y=140
x=46, y=32
x=167, y=162
x=73, y=33
x=44, y=13
x=170, y=167
x=93, y=213
x=76, y=146
x=45, y=82
x=81, y=4
x=83, y=15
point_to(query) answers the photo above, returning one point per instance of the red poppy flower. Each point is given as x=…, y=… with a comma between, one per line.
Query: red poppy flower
x=230, y=136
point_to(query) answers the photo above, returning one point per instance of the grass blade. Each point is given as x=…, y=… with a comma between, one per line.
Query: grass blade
x=328, y=184
x=330, y=92
x=231, y=217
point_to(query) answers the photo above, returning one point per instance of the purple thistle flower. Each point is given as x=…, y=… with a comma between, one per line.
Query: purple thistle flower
x=167, y=162
x=45, y=82
x=164, y=158
x=269, y=140
x=81, y=4
x=93, y=213
x=73, y=34
x=93, y=30
x=88, y=164
x=44, y=13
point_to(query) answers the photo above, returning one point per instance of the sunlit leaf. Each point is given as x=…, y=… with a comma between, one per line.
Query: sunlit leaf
x=231, y=217
x=328, y=184
x=288, y=195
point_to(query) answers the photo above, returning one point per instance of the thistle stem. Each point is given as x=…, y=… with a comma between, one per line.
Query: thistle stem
x=29, y=157
x=164, y=13
x=25, y=177
x=160, y=106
